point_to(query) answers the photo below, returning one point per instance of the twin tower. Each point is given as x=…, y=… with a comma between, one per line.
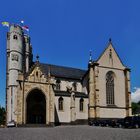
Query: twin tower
x=19, y=60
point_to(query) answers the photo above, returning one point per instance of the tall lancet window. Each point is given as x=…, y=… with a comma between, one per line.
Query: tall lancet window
x=60, y=104
x=110, y=88
x=81, y=105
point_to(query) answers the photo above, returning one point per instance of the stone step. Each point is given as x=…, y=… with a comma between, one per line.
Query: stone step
x=33, y=125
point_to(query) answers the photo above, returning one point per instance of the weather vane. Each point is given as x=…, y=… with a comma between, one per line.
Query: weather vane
x=37, y=58
x=90, y=57
x=8, y=24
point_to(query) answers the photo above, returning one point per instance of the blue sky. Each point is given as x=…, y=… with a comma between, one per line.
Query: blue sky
x=63, y=31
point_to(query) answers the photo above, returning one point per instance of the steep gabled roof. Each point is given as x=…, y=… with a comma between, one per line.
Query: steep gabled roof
x=116, y=56
x=61, y=71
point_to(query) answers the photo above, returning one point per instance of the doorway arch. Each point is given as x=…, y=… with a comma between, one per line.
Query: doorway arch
x=36, y=107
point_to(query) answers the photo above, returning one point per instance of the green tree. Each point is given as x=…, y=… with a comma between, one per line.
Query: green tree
x=2, y=115
x=139, y=103
x=135, y=108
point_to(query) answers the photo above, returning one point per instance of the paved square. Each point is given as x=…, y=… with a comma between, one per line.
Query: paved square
x=69, y=133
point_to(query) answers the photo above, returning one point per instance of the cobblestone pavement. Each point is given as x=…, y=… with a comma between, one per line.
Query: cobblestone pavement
x=69, y=133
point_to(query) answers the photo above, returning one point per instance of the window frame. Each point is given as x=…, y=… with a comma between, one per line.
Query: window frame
x=81, y=105
x=110, y=86
x=61, y=104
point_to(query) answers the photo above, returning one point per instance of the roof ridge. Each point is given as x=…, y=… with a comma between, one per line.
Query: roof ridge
x=63, y=66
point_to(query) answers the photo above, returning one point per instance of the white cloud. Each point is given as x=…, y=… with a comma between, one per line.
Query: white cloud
x=135, y=96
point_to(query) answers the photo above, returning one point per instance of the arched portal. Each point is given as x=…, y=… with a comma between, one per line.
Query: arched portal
x=36, y=107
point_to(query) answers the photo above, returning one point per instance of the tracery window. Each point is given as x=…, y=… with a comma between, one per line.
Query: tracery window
x=110, y=88
x=81, y=105
x=60, y=104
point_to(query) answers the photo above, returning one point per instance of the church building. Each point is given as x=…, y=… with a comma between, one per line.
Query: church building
x=38, y=93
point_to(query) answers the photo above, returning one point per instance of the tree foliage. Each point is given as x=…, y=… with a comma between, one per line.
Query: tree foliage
x=2, y=115
x=136, y=108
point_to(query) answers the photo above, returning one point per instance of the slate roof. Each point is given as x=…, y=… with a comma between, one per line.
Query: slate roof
x=63, y=72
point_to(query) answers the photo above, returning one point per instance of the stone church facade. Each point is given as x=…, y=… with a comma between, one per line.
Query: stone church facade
x=38, y=93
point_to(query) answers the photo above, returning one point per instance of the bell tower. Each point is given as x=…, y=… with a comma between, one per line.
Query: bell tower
x=15, y=65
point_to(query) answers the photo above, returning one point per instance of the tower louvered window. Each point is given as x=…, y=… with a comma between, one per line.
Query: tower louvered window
x=110, y=88
x=15, y=37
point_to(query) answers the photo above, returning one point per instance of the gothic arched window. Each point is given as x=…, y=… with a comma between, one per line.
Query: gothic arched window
x=58, y=84
x=60, y=104
x=15, y=37
x=81, y=104
x=110, y=88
